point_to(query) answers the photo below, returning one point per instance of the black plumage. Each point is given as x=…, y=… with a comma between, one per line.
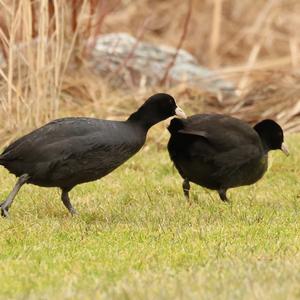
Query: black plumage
x=70, y=151
x=220, y=152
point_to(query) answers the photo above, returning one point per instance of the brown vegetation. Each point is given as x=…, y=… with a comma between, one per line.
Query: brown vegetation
x=253, y=43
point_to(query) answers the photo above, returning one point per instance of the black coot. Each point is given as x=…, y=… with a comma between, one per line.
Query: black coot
x=70, y=151
x=220, y=152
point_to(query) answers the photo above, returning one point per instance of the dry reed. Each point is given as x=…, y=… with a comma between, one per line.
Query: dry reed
x=254, y=43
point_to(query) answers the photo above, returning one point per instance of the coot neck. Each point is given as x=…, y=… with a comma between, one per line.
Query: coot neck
x=266, y=147
x=144, y=118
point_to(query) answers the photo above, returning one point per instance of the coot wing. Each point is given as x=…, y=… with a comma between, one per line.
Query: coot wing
x=95, y=159
x=34, y=145
x=222, y=132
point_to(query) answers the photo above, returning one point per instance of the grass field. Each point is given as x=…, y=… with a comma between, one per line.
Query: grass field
x=136, y=238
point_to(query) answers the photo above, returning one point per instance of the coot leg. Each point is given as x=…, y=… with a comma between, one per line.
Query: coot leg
x=186, y=189
x=9, y=200
x=66, y=201
x=222, y=194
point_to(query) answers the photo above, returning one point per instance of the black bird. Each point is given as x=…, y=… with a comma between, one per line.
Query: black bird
x=70, y=151
x=220, y=152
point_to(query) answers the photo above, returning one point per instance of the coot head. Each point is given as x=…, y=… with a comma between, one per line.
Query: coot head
x=157, y=108
x=271, y=135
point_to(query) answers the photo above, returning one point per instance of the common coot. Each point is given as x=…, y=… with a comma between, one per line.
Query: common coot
x=70, y=151
x=220, y=152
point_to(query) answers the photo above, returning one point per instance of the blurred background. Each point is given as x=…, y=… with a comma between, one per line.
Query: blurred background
x=103, y=58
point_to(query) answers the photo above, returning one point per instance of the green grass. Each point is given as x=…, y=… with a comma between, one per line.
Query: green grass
x=136, y=238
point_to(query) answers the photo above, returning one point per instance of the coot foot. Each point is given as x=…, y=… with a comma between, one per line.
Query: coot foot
x=66, y=201
x=9, y=200
x=4, y=212
x=222, y=194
